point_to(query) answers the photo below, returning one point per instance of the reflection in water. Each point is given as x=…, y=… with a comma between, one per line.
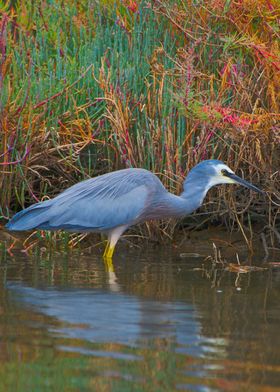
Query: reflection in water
x=118, y=318
x=155, y=323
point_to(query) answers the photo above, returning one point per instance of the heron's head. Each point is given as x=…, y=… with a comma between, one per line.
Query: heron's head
x=213, y=172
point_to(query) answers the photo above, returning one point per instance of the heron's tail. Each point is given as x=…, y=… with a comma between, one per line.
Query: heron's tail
x=32, y=217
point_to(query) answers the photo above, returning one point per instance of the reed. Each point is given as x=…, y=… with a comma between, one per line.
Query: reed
x=94, y=86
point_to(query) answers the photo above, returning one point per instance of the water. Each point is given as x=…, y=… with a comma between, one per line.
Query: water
x=157, y=322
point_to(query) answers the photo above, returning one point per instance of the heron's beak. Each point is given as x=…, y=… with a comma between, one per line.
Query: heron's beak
x=240, y=181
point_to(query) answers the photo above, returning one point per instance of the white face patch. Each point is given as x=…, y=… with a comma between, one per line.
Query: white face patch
x=222, y=166
x=219, y=178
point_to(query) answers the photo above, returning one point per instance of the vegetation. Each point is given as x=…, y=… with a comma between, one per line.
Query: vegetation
x=92, y=86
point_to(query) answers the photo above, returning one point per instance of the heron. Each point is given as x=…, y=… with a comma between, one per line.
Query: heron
x=112, y=202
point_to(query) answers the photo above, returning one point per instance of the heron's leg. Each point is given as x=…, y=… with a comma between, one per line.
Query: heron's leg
x=111, y=251
x=113, y=238
x=110, y=247
x=106, y=248
x=112, y=277
x=108, y=261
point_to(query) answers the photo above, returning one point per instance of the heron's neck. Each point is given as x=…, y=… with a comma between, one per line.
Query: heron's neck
x=179, y=206
x=193, y=195
x=168, y=205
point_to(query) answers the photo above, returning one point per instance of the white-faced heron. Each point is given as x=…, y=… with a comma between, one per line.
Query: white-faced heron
x=112, y=202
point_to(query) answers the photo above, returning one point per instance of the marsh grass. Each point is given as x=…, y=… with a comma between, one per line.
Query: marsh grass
x=93, y=86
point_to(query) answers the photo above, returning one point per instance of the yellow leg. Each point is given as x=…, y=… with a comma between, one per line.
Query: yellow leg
x=107, y=257
x=106, y=249
x=112, y=278
x=113, y=237
x=108, y=264
x=109, y=250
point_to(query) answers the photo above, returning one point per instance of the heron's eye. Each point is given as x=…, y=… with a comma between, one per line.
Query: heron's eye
x=224, y=172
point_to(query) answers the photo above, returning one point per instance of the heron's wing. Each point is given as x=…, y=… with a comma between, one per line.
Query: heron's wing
x=101, y=203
